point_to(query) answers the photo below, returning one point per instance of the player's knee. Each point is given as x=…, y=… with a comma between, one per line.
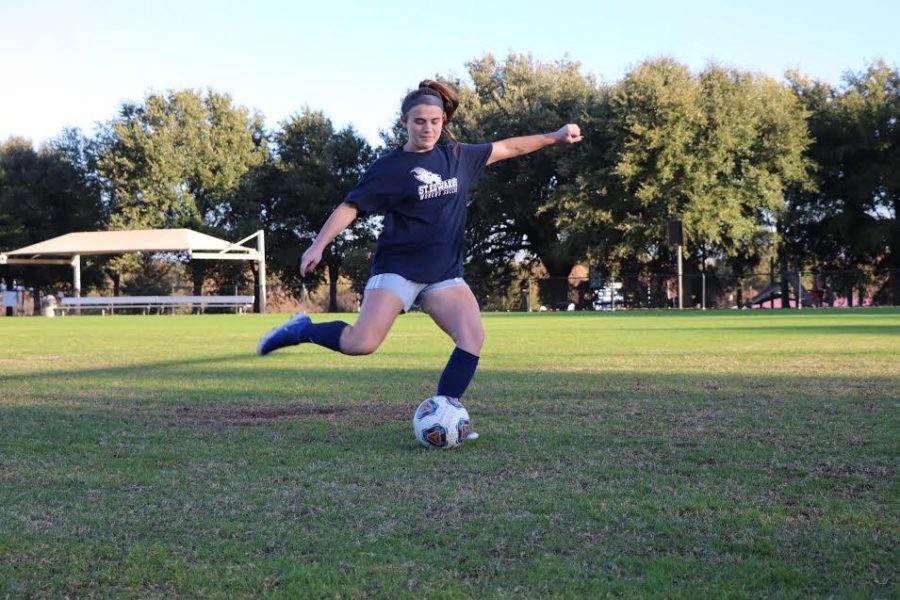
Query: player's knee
x=478, y=337
x=360, y=345
x=471, y=340
x=367, y=348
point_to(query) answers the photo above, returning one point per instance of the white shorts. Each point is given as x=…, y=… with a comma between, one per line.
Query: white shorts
x=409, y=292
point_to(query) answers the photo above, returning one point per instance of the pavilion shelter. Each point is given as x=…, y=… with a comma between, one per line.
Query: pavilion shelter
x=69, y=248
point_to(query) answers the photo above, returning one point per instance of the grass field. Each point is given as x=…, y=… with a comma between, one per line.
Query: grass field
x=717, y=454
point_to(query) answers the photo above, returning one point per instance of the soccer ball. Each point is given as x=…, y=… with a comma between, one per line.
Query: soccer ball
x=441, y=422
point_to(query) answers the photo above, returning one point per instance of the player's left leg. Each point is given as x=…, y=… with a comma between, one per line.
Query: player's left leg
x=379, y=310
x=455, y=310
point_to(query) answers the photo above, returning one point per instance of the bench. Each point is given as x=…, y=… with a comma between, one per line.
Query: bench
x=147, y=304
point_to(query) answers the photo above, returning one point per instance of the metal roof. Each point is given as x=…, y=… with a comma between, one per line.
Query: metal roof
x=121, y=242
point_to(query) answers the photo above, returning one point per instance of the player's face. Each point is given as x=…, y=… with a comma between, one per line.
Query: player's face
x=423, y=124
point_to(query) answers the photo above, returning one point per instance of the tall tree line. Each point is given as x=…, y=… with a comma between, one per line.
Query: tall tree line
x=753, y=166
x=848, y=221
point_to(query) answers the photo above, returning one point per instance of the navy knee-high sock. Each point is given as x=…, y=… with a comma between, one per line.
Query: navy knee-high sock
x=327, y=334
x=457, y=374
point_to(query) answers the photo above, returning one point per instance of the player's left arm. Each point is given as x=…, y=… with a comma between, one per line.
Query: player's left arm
x=526, y=144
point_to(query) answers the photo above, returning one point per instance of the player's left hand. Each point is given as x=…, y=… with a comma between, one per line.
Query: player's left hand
x=568, y=134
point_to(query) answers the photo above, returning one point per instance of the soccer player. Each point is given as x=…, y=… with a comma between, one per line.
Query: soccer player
x=421, y=188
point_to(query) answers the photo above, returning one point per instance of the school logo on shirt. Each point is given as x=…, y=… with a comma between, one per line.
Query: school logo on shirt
x=432, y=184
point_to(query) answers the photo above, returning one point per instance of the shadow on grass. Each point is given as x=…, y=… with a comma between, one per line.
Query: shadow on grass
x=237, y=390
x=793, y=330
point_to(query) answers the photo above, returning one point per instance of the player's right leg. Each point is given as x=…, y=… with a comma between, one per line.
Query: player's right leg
x=454, y=308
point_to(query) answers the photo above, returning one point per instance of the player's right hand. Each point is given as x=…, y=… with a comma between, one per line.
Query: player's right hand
x=309, y=260
x=568, y=134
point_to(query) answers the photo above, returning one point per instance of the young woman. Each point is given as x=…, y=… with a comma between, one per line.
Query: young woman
x=422, y=191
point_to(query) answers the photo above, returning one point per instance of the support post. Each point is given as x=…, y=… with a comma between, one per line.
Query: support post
x=261, y=248
x=76, y=276
x=76, y=280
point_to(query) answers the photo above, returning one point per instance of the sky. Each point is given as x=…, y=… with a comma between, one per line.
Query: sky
x=72, y=63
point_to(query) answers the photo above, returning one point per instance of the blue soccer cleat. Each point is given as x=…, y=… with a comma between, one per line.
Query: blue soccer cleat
x=288, y=334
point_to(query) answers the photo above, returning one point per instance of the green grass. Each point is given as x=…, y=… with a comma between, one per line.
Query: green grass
x=718, y=454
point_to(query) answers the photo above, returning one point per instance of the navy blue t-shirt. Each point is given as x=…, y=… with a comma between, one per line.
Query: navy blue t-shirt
x=423, y=198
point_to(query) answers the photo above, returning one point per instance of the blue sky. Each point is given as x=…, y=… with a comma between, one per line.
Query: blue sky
x=72, y=63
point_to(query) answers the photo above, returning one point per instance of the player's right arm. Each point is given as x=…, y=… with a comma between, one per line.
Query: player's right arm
x=338, y=221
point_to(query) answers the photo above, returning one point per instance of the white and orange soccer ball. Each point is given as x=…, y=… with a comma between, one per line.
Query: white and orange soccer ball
x=441, y=422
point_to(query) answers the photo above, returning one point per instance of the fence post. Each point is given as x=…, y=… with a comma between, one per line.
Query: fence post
x=680, y=283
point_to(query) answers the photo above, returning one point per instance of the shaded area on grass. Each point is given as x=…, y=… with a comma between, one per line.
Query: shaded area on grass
x=581, y=482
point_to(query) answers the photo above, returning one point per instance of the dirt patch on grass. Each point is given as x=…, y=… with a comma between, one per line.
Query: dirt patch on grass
x=234, y=416
x=31, y=358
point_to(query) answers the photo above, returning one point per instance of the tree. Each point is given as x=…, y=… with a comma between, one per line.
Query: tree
x=850, y=220
x=44, y=194
x=316, y=167
x=515, y=208
x=176, y=161
x=717, y=150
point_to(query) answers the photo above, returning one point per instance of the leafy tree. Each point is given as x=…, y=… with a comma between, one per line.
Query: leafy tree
x=718, y=150
x=315, y=169
x=44, y=194
x=515, y=208
x=850, y=221
x=176, y=161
